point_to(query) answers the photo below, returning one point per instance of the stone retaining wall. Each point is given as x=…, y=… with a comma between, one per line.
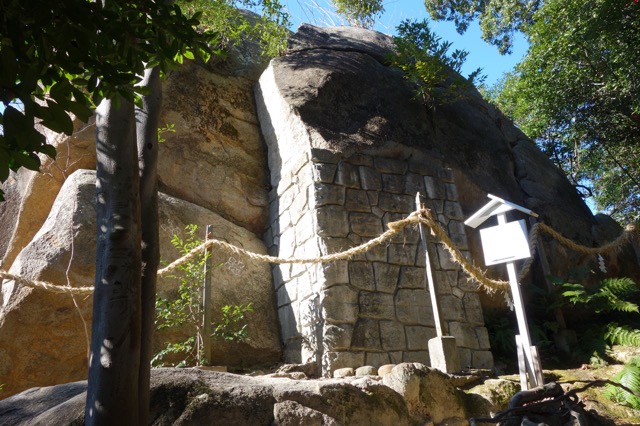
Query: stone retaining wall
x=374, y=309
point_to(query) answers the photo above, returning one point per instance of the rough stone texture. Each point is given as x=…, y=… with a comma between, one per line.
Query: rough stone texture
x=385, y=369
x=491, y=396
x=341, y=38
x=328, y=165
x=30, y=194
x=364, y=163
x=488, y=154
x=417, y=395
x=39, y=329
x=235, y=280
x=215, y=158
x=366, y=370
x=356, y=143
x=343, y=372
x=35, y=324
x=428, y=393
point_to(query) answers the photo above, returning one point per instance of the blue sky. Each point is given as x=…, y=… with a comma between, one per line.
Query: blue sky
x=481, y=54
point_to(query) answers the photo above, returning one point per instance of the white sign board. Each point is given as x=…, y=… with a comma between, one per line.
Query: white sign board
x=505, y=243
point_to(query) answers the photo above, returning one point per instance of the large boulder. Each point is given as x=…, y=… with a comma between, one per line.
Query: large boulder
x=35, y=324
x=30, y=194
x=215, y=157
x=190, y=397
x=43, y=336
x=236, y=280
x=378, y=114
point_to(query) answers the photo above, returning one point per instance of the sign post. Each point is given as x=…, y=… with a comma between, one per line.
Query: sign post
x=507, y=243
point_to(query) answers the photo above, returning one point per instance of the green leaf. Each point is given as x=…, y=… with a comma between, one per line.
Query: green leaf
x=4, y=161
x=9, y=66
x=49, y=150
x=31, y=162
x=79, y=109
x=60, y=121
x=19, y=131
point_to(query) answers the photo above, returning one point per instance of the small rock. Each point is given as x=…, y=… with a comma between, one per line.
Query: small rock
x=493, y=395
x=295, y=375
x=383, y=370
x=309, y=369
x=461, y=381
x=343, y=372
x=366, y=370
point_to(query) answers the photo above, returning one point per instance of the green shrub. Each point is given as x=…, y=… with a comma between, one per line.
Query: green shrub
x=425, y=60
x=186, y=311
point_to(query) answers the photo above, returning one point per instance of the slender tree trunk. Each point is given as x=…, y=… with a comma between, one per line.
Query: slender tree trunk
x=147, y=138
x=114, y=365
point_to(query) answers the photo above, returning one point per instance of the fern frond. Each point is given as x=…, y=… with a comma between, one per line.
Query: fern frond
x=624, y=306
x=629, y=377
x=615, y=293
x=622, y=335
x=622, y=287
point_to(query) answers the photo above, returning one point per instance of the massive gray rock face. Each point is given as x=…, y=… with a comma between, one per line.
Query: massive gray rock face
x=349, y=145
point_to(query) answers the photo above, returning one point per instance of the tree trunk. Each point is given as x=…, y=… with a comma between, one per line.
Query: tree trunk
x=114, y=364
x=147, y=137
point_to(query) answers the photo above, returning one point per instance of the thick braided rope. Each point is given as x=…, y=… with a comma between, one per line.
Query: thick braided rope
x=629, y=234
x=394, y=229
x=419, y=216
x=469, y=268
x=44, y=285
x=610, y=247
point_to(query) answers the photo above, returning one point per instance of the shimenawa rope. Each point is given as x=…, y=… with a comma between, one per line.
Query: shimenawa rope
x=419, y=216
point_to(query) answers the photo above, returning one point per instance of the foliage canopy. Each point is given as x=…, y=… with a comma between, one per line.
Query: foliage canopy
x=499, y=19
x=577, y=93
x=359, y=13
x=233, y=25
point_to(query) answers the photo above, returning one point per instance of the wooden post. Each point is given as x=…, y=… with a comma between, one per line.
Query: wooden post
x=443, y=351
x=207, y=307
x=429, y=273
